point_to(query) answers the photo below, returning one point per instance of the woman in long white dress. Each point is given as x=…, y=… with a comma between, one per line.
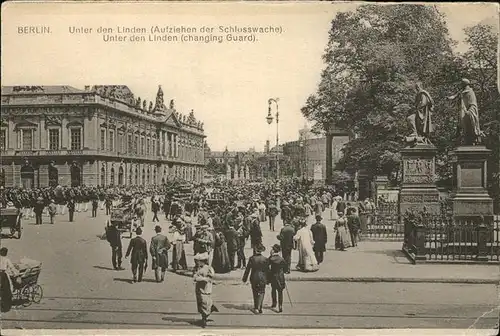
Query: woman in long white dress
x=304, y=239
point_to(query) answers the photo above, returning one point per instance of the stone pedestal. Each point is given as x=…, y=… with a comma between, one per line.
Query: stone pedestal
x=470, y=197
x=418, y=189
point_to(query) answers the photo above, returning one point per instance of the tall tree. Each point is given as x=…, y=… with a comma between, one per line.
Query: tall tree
x=373, y=58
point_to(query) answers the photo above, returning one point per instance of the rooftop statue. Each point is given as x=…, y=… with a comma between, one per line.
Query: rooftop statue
x=144, y=104
x=159, y=99
x=420, y=121
x=468, y=128
x=172, y=105
x=150, y=106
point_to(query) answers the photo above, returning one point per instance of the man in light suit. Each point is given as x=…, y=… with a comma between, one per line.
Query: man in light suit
x=159, y=253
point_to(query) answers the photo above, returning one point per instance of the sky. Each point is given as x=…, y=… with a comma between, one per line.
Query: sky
x=226, y=84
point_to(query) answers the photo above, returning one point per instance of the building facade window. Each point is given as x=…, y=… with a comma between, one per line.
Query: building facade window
x=143, y=146
x=111, y=144
x=54, y=139
x=3, y=139
x=154, y=147
x=76, y=138
x=103, y=139
x=130, y=146
x=27, y=138
x=136, y=145
x=148, y=148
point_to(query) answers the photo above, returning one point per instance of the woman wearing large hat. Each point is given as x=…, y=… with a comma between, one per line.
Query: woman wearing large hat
x=203, y=289
x=257, y=268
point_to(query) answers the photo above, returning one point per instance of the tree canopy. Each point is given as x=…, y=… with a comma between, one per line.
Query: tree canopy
x=373, y=59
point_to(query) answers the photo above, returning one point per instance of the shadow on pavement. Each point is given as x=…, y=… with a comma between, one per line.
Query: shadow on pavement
x=186, y=273
x=191, y=321
x=243, y=306
x=104, y=268
x=123, y=280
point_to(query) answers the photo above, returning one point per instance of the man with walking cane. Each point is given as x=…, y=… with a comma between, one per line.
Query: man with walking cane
x=139, y=260
x=276, y=277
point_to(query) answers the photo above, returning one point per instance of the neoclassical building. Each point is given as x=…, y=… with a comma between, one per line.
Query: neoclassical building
x=60, y=135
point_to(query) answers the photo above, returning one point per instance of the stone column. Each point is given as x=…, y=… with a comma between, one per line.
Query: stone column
x=43, y=132
x=11, y=135
x=418, y=189
x=470, y=196
x=176, y=145
x=64, y=134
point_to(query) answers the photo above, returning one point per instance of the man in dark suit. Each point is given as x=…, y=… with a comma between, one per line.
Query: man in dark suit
x=258, y=265
x=139, y=260
x=232, y=244
x=159, y=254
x=354, y=225
x=255, y=231
x=320, y=239
x=277, y=267
x=114, y=238
x=71, y=209
x=287, y=244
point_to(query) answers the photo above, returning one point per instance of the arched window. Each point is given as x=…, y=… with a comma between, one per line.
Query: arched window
x=143, y=177
x=76, y=176
x=53, y=176
x=103, y=176
x=112, y=177
x=136, y=176
x=27, y=177
x=120, y=175
x=2, y=177
x=148, y=177
x=130, y=176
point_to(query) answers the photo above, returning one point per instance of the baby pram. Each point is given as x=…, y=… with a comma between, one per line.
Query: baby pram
x=27, y=290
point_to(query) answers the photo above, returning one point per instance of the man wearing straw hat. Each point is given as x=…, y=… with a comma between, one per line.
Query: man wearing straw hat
x=258, y=269
x=203, y=289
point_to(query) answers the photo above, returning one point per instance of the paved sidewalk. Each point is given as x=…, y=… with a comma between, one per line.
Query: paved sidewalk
x=384, y=262
x=371, y=261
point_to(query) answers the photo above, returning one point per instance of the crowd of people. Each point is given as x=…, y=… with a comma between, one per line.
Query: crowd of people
x=218, y=220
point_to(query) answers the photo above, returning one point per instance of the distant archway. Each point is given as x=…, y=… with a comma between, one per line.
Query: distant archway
x=2, y=177
x=103, y=176
x=120, y=175
x=76, y=176
x=53, y=176
x=27, y=177
x=112, y=177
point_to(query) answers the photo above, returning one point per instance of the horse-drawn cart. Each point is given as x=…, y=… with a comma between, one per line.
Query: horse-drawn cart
x=10, y=218
x=123, y=218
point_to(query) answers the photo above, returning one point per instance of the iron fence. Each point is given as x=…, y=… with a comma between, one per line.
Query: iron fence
x=383, y=223
x=447, y=239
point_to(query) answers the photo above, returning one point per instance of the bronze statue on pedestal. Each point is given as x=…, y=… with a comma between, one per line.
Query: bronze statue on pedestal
x=468, y=130
x=420, y=121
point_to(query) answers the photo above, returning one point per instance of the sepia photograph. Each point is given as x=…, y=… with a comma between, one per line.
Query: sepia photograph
x=249, y=167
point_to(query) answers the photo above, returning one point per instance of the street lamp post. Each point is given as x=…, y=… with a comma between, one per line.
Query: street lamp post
x=269, y=119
